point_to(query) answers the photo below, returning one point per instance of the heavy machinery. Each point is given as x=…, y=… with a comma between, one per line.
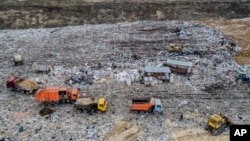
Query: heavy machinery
x=147, y=104
x=243, y=78
x=20, y=84
x=18, y=60
x=217, y=123
x=90, y=105
x=56, y=94
x=39, y=68
x=174, y=48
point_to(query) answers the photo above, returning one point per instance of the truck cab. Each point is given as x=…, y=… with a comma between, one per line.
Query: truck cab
x=243, y=78
x=158, y=107
x=102, y=104
x=10, y=82
x=74, y=94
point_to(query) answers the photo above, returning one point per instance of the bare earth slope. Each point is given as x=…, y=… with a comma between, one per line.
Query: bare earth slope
x=239, y=31
x=47, y=13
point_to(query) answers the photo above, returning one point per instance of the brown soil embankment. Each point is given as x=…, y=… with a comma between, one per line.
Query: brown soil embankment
x=239, y=31
x=44, y=13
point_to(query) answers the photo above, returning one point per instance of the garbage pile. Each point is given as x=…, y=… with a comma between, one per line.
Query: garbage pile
x=214, y=87
x=128, y=76
x=46, y=111
x=108, y=61
x=41, y=68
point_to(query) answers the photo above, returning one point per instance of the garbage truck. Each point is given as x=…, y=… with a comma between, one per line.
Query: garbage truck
x=57, y=94
x=147, y=104
x=20, y=84
x=90, y=105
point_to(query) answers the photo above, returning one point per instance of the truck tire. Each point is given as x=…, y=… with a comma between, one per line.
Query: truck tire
x=93, y=110
x=62, y=101
x=70, y=101
x=30, y=92
x=78, y=111
x=85, y=111
x=156, y=113
x=239, y=81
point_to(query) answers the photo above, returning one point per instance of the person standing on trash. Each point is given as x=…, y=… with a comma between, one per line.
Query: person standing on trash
x=114, y=66
x=181, y=118
x=141, y=79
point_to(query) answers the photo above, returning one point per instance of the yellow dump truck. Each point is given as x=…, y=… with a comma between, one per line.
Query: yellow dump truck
x=90, y=105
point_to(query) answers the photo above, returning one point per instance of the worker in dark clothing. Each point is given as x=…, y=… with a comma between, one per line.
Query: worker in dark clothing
x=141, y=79
x=181, y=118
x=114, y=66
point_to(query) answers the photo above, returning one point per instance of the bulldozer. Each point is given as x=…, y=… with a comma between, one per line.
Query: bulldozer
x=174, y=48
x=217, y=123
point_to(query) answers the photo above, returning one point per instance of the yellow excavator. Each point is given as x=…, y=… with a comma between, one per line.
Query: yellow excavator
x=217, y=123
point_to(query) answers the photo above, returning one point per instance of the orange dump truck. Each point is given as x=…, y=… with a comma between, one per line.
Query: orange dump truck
x=56, y=94
x=147, y=104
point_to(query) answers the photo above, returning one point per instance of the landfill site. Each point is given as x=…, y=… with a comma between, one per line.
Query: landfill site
x=143, y=80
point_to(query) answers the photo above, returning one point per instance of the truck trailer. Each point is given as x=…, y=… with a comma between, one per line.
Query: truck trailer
x=56, y=94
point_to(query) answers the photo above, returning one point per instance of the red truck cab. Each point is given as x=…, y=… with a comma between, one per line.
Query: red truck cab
x=11, y=82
